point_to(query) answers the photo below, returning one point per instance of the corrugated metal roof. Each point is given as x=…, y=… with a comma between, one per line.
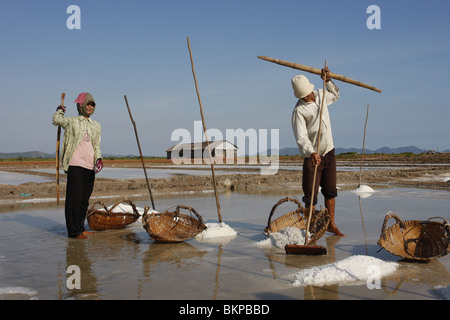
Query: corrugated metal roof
x=200, y=145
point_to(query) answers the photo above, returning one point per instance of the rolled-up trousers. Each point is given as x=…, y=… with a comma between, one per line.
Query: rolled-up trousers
x=325, y=178
x=80, y=183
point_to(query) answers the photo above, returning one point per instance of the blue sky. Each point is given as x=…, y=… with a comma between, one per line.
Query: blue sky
x=139, y=49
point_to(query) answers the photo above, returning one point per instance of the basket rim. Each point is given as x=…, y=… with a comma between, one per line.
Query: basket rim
x=110, y=211
x=158, y=237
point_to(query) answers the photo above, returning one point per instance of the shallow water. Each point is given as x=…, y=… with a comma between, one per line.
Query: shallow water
x=126, y=264
x=14, y=179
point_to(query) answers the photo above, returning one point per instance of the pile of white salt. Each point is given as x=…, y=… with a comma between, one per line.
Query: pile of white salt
x=364, y=191
x=216, y=232
x=354, y=270
x=283, y=237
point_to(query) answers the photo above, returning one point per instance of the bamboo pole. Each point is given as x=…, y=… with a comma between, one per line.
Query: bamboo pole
x=206, y=136
x=319, y=72
x=140, y=152
x=58, y=139
x=364, y=142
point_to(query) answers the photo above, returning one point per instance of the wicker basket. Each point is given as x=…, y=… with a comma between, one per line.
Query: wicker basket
x=173, y=226
x=298, y=219
x=414, y=239
x=107, y=219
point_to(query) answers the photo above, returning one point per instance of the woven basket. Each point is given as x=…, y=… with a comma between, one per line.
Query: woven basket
x=298, y=219
x=414, y=239
x=107, y=219
x=173, y=226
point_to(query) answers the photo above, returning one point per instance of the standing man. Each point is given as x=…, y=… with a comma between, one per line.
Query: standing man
x=81, y=160
x=305, y=124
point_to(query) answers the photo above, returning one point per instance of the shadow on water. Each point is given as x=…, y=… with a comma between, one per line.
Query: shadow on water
x=37, y=223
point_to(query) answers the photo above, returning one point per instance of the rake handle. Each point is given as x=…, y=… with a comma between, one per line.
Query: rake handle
x=311, y=203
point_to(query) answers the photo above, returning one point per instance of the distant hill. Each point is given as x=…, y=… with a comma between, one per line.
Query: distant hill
x=384, y=150
x=43, y=155
x=28, y=154
x=283, y=152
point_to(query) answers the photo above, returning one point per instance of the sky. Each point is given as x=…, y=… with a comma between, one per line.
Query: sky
x=139, y=49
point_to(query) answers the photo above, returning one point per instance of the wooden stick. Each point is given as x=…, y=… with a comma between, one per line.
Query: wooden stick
x=311, y=203
x=58, y=139
x=140, y=152
x=206, y=136
x=364, y=142
x=319, y=72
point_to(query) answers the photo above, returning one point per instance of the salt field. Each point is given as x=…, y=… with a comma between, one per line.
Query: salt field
x=233, y=261
x=32, y=175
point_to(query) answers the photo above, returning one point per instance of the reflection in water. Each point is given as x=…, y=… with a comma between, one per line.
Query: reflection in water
x=126, y=264
x=363, y=225
x=77, y=255
x=432, y=273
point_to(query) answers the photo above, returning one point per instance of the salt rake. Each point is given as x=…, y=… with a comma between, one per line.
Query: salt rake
x=308, y=249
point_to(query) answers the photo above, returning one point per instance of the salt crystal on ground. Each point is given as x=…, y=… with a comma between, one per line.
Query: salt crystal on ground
x=127, y=208
x=354, y=270
x=216, y=231
x=283, y=237
x=364, y=191
x=17, y=290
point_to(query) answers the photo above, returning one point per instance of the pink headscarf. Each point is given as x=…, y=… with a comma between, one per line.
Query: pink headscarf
x=81, y=98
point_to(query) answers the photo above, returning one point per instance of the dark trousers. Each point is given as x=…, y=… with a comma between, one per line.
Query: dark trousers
x=80, y=183
x=325, y=178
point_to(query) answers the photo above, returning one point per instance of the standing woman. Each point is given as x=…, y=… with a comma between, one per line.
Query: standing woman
x=80, y=159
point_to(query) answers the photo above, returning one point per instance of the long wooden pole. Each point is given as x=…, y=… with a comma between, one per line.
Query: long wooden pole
x=319, y=72
x=363, y=146
x=58, y=140
x=206, y=136
x=311, y=203
x=140, y=152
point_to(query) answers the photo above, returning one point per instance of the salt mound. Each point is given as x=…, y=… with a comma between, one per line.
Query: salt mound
x=364, y=188
x=354, y=270
x=215, y=231
x=283, y=237
x=122, y=207
x=364, y=191
x=10, y=292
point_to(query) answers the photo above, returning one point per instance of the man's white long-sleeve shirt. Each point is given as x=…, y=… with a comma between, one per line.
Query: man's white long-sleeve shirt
x=305, y=122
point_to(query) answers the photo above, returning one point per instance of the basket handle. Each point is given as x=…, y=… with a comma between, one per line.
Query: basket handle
x=389, y=215
x=281, y=201
x=178, y=207
x=192, y=210
x=91, y=209
x=443, y=220
x=446, y=226
x=127, y=202
x=146, y=209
